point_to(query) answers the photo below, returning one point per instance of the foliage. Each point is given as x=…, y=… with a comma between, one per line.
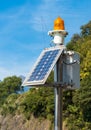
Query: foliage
x=8, y=86
x=12, y=84
x=79, y=112
x=86, y=30
x=38, y=101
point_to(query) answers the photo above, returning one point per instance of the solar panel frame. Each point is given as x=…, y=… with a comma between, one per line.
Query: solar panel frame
x=41, y=82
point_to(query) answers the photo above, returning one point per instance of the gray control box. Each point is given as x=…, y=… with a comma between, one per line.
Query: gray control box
x=71, y=69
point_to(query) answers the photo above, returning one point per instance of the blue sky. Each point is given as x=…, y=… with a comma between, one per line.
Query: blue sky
x=24, y=25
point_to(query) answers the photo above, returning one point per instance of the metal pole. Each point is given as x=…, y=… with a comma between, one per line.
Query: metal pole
x=58, y=108
x=58, y=96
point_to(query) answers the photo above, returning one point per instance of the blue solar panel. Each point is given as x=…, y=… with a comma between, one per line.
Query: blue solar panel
x=43, y=67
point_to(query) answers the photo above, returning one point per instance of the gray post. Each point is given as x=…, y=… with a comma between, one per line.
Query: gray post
x=58, y=96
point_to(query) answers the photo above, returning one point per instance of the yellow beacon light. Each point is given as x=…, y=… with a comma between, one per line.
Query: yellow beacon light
x=59, y=24
x=58, y=33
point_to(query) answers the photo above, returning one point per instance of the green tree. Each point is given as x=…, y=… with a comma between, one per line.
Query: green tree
x=79, y=112
x=86, y=29
x=12, y=84
x=8, y=86
x=75, y=38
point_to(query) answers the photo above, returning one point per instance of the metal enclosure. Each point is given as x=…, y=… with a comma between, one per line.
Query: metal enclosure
x=71, y=69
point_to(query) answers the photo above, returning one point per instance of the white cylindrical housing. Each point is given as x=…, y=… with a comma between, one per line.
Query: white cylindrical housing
x=58, y=38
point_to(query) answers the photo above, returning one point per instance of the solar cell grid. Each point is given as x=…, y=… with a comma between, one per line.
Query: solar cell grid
x=43, y=66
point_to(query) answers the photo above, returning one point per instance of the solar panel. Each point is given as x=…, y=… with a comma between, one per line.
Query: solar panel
x=43, y=66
